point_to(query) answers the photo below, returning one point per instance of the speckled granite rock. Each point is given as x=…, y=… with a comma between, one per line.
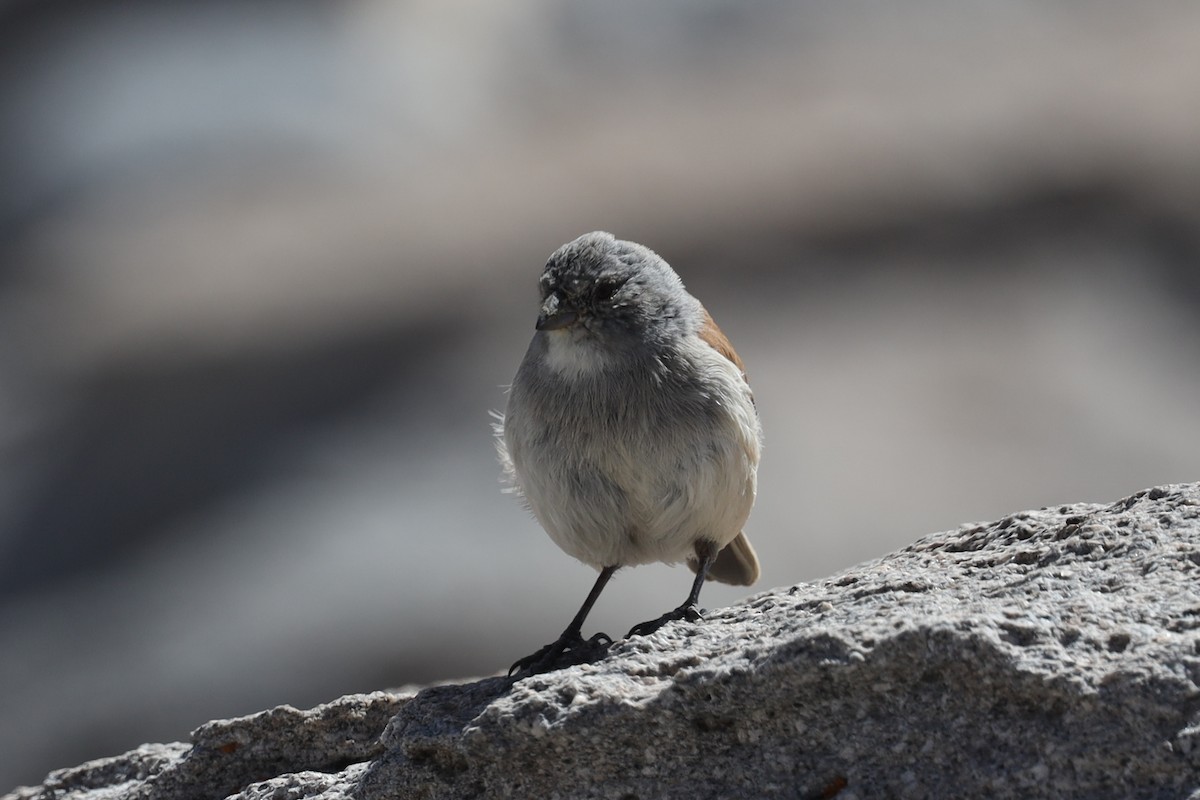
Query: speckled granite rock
x=227, y=755
x=1054, y=653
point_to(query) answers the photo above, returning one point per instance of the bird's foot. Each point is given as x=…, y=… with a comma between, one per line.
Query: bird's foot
x=567, y=651
x=686, y=611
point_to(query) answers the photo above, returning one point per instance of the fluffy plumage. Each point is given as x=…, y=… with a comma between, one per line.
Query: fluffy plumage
x=630, y=430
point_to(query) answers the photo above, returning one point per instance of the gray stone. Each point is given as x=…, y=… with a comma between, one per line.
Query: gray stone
x=227, y=755
x=1054, y=653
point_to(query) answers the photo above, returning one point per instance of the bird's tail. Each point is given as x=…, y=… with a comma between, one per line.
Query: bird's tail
x=736, y=564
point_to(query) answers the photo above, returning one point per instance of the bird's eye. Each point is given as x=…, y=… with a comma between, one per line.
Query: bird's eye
x=607, y=290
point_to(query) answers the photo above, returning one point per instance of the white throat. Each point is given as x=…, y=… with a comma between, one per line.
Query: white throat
x=573, y=354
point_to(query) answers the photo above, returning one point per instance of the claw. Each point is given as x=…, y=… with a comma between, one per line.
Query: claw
x=567, y=651
x=687, y=611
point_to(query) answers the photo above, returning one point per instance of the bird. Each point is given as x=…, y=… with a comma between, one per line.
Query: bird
x=630, y=431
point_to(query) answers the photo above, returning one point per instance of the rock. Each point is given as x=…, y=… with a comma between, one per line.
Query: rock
x=1052, y=653
x=227, y=755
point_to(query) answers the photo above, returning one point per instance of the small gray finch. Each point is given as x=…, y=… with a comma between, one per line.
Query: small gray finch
x=630, y=430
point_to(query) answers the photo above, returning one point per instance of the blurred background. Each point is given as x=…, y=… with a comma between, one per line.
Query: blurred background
x=266, y=266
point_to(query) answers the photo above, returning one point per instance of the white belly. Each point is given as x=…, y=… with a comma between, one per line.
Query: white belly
x=647, y=486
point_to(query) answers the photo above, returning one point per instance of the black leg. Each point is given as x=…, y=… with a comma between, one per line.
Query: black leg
x=707, y=553
x=570, y=648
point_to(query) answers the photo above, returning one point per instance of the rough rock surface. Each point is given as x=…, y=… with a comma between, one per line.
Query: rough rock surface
x=1054, y=653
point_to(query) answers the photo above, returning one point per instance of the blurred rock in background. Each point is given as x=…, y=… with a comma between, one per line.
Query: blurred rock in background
x=266, y=266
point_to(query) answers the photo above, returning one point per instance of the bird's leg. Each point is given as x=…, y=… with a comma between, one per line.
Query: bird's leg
x=706, y=551
x=570, y=648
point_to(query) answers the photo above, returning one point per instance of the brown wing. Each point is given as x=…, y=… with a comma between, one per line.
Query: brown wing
x=737, y=562
x=712, y=335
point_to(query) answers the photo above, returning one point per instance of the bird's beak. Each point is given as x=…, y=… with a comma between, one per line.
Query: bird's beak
x=556, y=313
